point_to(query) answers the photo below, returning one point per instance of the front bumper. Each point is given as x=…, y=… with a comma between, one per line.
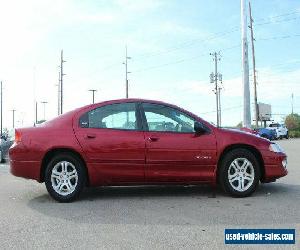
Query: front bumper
x=275, y=166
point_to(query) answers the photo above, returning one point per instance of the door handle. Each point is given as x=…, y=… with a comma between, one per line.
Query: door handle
x=90, y=136
x=151, y=138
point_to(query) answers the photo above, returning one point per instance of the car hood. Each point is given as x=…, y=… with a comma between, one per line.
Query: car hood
x=235, y=136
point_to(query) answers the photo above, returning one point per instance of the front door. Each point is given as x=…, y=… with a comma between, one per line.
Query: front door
x=113, y=142
x=174, y=152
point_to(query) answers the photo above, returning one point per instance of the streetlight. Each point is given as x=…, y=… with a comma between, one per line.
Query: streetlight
x=13, y=112
x=93, y=92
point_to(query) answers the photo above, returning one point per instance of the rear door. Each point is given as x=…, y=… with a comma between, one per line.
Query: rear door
x=113, y=142
x=174, y=153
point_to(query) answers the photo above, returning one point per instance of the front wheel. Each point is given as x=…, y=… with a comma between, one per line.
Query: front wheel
x=239, y=173
x=65, y=177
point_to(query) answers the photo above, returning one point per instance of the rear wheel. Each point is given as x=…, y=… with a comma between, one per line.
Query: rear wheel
x=65, y=177
x=239, y=173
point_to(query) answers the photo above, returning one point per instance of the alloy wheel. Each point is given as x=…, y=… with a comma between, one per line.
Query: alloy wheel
x=64, y=178
x=241, y=174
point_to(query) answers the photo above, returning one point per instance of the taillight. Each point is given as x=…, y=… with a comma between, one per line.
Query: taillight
x=17, y=136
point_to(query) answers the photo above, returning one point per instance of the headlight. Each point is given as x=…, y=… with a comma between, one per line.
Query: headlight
x=284, y=163
x=275, y=148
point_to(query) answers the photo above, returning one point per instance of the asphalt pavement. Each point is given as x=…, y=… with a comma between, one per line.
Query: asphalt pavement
x=145, y=217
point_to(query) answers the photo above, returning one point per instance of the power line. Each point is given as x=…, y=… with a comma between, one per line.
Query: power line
x=276, y=66
x=192, y=43
x=278, y=37
x=182, y=60
x=197, y=41
x=217, y=35
x=224, y=109
x=281, y=15
x=186, y=44
x=179, y=47
x=277, y=21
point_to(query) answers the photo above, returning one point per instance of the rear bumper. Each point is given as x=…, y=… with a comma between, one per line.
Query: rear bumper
x=26, y=169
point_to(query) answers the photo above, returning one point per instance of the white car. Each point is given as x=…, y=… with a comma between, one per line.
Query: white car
x=280, y=129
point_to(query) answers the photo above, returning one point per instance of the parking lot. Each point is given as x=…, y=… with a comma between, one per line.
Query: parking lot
x=144, y=217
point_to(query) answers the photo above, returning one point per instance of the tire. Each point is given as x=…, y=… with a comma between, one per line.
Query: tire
x=232, y=167
x=65, y=177
x=287, y=135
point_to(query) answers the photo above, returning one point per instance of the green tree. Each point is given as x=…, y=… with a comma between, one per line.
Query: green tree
x=239, y=125
x=40, y=121
x=292, y=122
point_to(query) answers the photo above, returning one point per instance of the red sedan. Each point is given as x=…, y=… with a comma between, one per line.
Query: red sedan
x=135, y=141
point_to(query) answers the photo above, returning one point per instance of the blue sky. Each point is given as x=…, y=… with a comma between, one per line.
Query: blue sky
x=169, y=42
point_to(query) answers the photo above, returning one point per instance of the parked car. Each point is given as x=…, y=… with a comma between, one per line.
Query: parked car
x=5, y=144
x=281, y=130
x=249, y=130
x=268, y=133
x=136, y=141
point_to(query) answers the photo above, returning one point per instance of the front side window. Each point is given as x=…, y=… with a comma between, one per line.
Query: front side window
x=114, y=116
x=166, y=119
x=274, y=125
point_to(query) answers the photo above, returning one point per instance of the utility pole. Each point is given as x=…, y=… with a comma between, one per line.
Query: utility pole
x=44, y=102
x=36, y=112
x=246, y=90
x=220, y=111
x=93, y=92
x=61, y=80
x=58, y=94
x=214, y=77
x=1, y=108
x=254, y=68
x=126, y=70
x=292, y=106
x=13, y=112
x=34, y=96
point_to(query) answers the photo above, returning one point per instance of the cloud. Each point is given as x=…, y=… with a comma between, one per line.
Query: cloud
x=178, y=29
x=98, y=18
x=140, y=5
x=197, y=87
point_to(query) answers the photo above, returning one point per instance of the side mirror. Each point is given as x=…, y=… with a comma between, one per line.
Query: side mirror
x=200, y=128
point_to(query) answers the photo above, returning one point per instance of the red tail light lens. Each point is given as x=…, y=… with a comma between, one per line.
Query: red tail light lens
x=17, y=136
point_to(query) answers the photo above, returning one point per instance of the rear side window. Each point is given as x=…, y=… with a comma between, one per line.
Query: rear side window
x=114, y=116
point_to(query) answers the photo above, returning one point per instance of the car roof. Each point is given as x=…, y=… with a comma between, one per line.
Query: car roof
x=67, y=117
x=125, y=100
